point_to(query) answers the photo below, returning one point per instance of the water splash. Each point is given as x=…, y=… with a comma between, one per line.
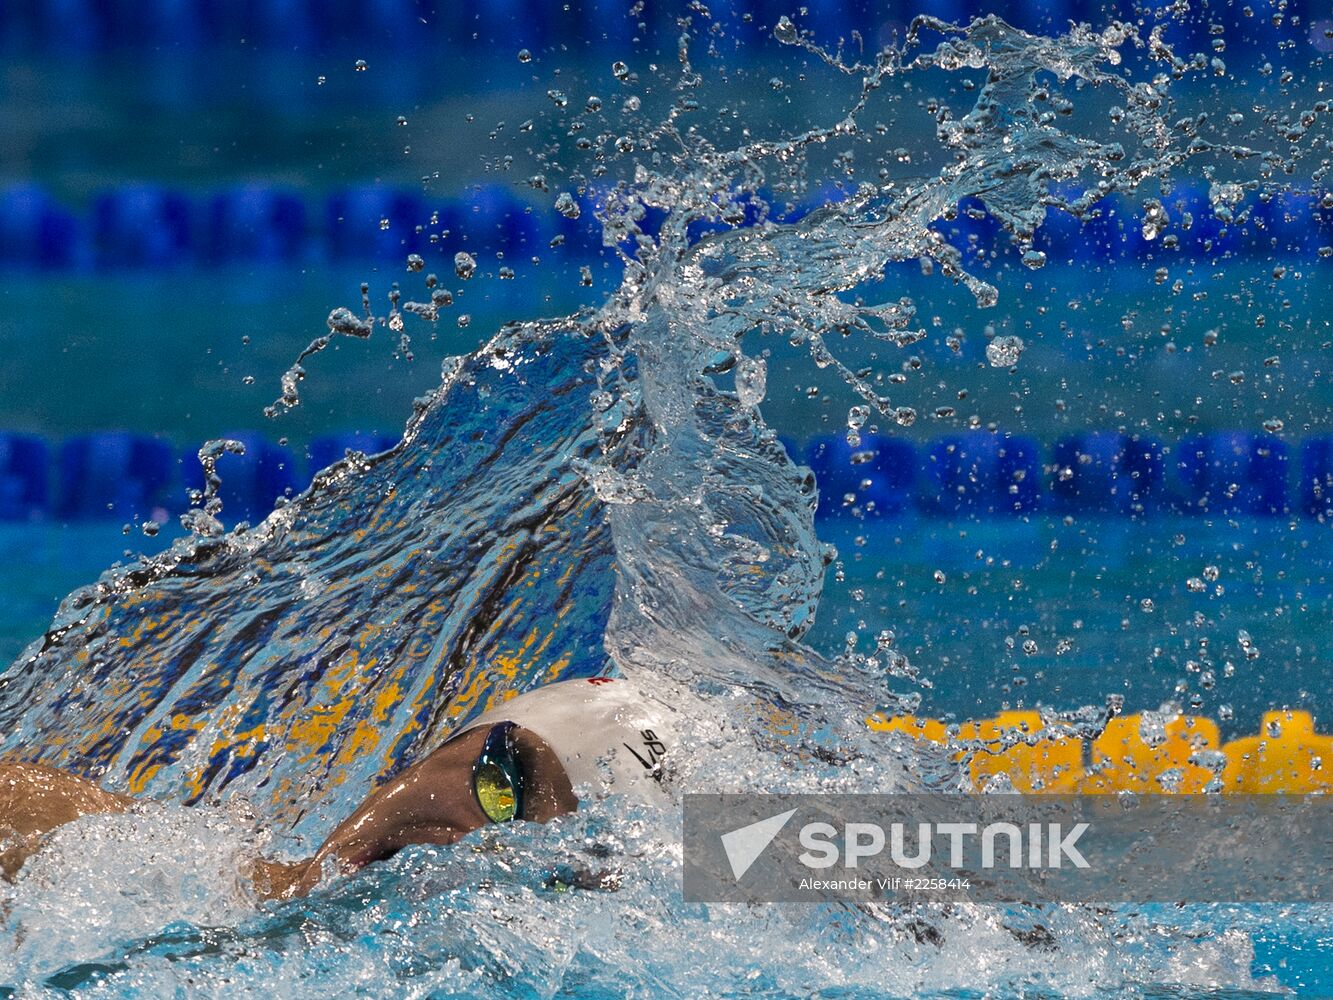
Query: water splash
x=595, y=494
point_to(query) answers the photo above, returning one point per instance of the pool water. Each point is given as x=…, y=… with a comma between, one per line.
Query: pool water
x=1221, y=615
x=1013, y=613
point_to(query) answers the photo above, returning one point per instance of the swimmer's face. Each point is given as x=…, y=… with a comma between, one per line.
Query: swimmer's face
x=433, y=802
x=546, y=787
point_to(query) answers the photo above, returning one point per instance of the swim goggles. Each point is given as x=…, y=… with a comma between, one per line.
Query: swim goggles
x=497, y=775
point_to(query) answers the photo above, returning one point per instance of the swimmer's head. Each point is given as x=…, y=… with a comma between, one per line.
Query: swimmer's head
x=528, y=759
x=605, y=734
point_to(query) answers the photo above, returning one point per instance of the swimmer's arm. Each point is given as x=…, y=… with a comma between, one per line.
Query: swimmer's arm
x=276, y=879
x=35, y=800
x=429, y=803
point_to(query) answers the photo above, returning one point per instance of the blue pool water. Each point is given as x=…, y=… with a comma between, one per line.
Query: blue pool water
x=624, y=490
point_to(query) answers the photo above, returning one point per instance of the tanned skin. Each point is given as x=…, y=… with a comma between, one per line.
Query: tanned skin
x=431, y=802
x=35, y=799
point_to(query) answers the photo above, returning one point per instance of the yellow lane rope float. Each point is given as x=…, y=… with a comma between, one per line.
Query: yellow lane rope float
x=1158, y=754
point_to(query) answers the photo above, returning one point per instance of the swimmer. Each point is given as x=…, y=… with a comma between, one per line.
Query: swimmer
x=521, y=761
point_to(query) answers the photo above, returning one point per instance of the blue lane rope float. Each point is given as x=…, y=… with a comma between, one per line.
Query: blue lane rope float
x=604, y=26
x=980, y=473
x=878, y=472
x=1107, y=473
x=113, y=474
x=147, y=226
x=24, y=474
x=1234, y=473
x=116, y=474
x=37, y=232
x=256, y=223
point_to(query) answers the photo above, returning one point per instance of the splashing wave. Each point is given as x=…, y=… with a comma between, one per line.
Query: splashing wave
x=579, y=497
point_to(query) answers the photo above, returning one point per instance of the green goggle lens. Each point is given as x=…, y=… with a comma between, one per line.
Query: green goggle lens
x=495, y=792
x=497, y=778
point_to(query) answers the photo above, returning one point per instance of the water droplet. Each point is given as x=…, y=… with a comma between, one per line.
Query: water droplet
x=1004, y=351
x=620, y=71
x=361, y=66
x=524, y=56
x=1155, y=219
x=567, y=206
x=465, y=265
x=751, y=381
x=1034, y=259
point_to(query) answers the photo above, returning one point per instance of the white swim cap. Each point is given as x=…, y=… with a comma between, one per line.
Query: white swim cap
x=599, y=727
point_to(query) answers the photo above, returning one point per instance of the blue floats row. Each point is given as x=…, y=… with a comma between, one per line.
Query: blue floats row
x=1293, y=222
x=981, y=473
x=130, y=476
x=151, y=226
x=606, y=25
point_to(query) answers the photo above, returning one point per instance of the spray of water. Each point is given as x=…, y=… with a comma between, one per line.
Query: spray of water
x=579, y=497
